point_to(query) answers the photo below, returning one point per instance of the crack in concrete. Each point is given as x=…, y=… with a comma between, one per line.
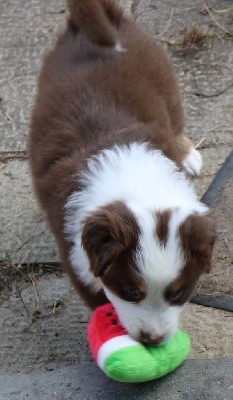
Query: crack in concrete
x=13, y=155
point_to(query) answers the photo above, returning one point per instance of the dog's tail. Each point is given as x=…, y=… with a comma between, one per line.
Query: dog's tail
x=98, y=20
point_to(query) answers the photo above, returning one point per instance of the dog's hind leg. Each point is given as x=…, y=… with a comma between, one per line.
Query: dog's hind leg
x=192, y=159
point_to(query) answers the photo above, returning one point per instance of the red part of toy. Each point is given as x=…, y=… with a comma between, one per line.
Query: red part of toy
x=104, y=325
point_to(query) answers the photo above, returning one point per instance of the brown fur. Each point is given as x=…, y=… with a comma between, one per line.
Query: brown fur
x=98, y=20
x=122, y=275
x=107, y=234
x=110, y=239
x=162, y=225
x=90, y=98
x=197, y=237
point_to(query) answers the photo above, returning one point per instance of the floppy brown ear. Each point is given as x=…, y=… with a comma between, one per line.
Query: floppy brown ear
x=198, y=234
x=107, y=233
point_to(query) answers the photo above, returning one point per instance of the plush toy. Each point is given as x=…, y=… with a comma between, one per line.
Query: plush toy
x=126, y=360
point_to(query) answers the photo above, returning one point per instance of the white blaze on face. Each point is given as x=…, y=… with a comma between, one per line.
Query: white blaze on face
x=159, y=265
x=158, y=320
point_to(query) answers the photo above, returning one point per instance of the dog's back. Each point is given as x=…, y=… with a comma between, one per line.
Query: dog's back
x=88, y=86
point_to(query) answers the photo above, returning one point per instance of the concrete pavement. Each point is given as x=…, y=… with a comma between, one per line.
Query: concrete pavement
x=195, y=380
x=48, y=359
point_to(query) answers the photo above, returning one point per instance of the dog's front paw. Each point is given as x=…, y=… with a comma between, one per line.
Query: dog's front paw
x=193, y=162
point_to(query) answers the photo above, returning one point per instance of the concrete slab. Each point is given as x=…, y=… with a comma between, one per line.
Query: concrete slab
x=219, y=281
x=127, y=4
x=23, y=231
x=27, y=29
x=203, y=74
x=207, y=380
x=50, y=333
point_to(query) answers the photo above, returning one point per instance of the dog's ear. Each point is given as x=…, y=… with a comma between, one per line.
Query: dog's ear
x=107, y=233
x=198, y=234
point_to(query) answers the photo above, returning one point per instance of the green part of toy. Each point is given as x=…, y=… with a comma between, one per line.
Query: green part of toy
x=140, y=364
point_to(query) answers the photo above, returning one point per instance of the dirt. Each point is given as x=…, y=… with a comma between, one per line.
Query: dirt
x=43, y=321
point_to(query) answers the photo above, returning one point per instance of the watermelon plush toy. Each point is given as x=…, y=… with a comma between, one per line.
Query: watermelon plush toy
x=126, y=360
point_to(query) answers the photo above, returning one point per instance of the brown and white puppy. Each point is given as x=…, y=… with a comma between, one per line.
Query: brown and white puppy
x=107, y=150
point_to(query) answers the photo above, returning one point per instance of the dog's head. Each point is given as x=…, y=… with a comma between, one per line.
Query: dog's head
x=149, y=263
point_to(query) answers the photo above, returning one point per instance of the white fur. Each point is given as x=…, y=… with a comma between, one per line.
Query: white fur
x=112, y=345
x=193, y=162
x=146, y=181
x=119, y=48
x=153, y=316
x=159, y=266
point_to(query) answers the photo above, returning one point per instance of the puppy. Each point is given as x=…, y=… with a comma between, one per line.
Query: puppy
x=110, y=165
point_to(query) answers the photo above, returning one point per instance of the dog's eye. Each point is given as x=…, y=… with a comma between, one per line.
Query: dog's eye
x=176, y=296
x=132, y=292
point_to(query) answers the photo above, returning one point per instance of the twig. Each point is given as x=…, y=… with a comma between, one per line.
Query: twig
x=223, y=11
x=9, y=117
x=18, y=267
x=216, y=22
x=227, y=245
x=175, y=9
x=56, y=306
x=16, y=291
x=200, y=143
x=24, y=304
x=165, y=40
x=200, y=94
x=217, y=128
x=220, y=66
x=2, y=167
x=36, y=292
x=168, y=24
x=184, y=9
x=28, y=240
x=199, y=288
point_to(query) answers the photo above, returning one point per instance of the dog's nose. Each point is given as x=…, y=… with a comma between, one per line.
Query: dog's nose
x=146, y=338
